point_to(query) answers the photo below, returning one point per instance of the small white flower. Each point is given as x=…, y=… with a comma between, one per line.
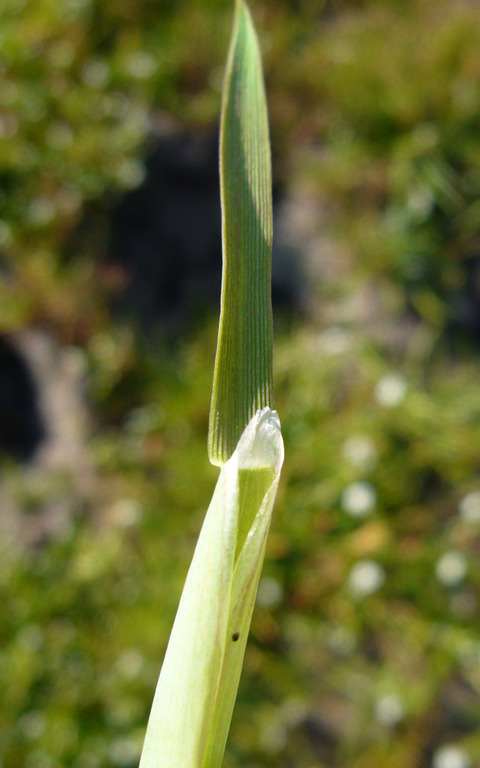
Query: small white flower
x=469, y=507
x=270, y=592
x=140, y=420
x=140, y=65
x=451, y=756
x=420, y=202
x=32, y=724
x=391, y=390
x=451, y=568
x=126, y=512
x=273, y=737
x=125, y=752
x=96, y=74
x=334, y=341
x=360, y=451
x=358, y=499
x=366, y=577
x=130, y=173
x=130, y=663
x=389, y=710
x=425, y=135
x=41, y=211
x=342, y=641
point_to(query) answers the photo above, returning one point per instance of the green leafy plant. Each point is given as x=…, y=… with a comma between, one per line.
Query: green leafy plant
x=198, y=683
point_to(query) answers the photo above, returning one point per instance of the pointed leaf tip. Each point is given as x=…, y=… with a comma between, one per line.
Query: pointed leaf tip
x=243, y=369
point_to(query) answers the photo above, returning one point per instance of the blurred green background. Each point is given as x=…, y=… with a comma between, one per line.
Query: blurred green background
x=365, y=644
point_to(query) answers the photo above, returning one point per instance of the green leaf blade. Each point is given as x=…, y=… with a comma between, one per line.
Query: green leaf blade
x=243, y=381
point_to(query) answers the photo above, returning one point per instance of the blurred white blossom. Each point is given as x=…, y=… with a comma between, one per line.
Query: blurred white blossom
x=469, y=507
x=451, y=756
x=420, y=202
x=273, y=737
x=360, y=451
x=130, y=663
x=270, y=592
x=342, y=641
x=125, y=512
x=451, y=568
x=141, y=65
x=358, y=499
x=96, y=74
x=41, y=211
x=391, y=390
x=130, y=173
x=425, y=135
x=334, y=340
x=32, y=724
x=125, y=752
x=366, y=577
x=389, y=710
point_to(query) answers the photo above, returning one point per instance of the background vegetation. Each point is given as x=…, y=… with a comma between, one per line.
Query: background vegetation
x=365, y=646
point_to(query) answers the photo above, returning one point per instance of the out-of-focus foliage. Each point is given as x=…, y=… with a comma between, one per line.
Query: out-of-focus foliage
x=79, y=79
x=376, y=103
x=398, y=157
x=365, y=643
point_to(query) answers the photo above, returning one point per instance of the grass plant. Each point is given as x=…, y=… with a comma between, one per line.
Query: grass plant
x=363, y=648
x=196, y=692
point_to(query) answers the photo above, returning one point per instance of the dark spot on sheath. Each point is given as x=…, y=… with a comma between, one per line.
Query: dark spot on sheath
x=235, y=636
